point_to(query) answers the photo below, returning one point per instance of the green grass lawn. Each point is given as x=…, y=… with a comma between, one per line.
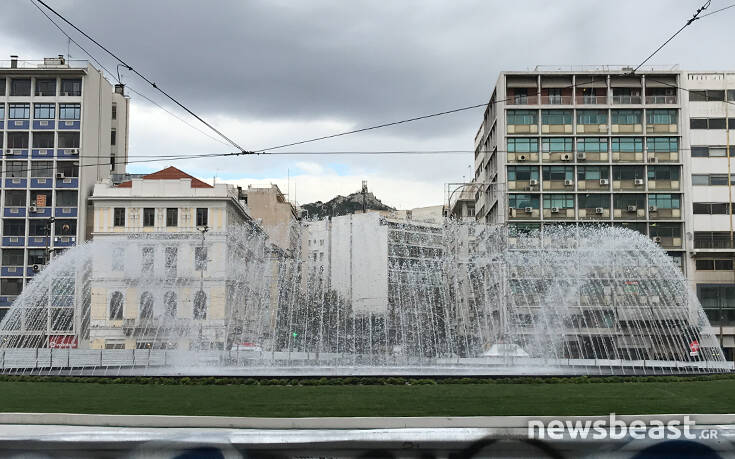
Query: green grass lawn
x=419, y=400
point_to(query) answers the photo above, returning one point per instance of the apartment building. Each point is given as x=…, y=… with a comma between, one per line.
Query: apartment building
x=599, y=146
x=278, y=217
x=174, y=228
x=63, y=127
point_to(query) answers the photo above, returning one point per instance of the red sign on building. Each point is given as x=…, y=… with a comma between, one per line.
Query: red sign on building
x=694, y=348
x=62, y=342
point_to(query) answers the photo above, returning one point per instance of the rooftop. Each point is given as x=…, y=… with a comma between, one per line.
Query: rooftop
x=169, y=173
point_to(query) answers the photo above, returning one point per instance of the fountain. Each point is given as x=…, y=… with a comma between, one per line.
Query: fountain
x=452, y=299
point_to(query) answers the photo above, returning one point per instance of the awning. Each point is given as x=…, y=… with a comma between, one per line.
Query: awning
x=654, y=81
x=625, y=81
x=520, y=82
x=556, y=82
x=597, y=81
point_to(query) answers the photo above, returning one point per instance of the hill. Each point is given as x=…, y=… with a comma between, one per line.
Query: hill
x=344, y=205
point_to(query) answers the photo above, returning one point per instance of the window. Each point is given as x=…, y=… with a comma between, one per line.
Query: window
x=627, y=144
x=591, y=116
x=116, y=306
x=43, y=140
x=36, y=256
x=555, y=95
x=38, y=227
x=11, y=286
x=663, y=144
x=42, y=169
x=2, y=110
x=563, y=201
x=68, y=140
x=522, y=117
x=147, y=260
x=557, y=144
x=698, y=123
x=593, y=201
x=592, y=172
x=44, y=111
x=2, y=86
x=556, y=117
x=707, y=95
x=71, y=87
x=169, y=301
x=592, y=144
x=172, y=217
x=623, y=200
x=200, y=258
x=119, y=216
x=557, y=172
x=17, y=140
x=20, y=87
x=69, y=111
x=200, y=305
x=113, y=137
x=626, y=116
x=202, y=216
x=522, y=145
x=522, y=173
x=114, y=111
x=713, y=179
x=520, y=201
x=19, y=111
x=700, y=152
x=68, y=168
x=41, y=198
x=663, y=172
x=146, y=305
x=46, y=86
x=118, y=259
x=628, y=172
x=713, y=264
x=16, y=169
x=13, y=257
x=716, y=123
x=66, y=198
x=707, y=123
x=661, y=116
x=665, y=201
x=171, y=254
x=149, y=216
x=710, y=208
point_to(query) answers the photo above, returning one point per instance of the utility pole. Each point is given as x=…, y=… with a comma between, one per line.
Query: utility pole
x=364, y=196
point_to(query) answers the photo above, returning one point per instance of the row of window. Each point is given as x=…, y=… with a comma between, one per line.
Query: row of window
x=20, y=140
x=40, y=198
x=713, y=151
x=43, y=87
x=526, y=173
x=41, y=111
x=39, y=227
x=711, y=179
x=592, y=144
x=148, y=259
x=555, y=117
x=20, y=169
x=716, y=264
x=667, y=230
x=149, y=216
x=712, y=123
x=594, y=200
x=711, y=95
x=147, y=303
x=14, y=257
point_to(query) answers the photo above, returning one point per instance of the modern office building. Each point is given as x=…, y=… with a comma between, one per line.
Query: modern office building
x=602, y=146
x=63, y=127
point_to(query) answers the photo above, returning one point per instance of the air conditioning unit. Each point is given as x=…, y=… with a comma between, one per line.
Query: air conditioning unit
x=74, y=151
x=638, y=181
x=604, y=181
x=9, y=152
x=522, y=157
x=533, y=182
x=599, y=210
x=33, y=209
x=581, y=155
x=568, y=182
x=554, y=210
x=528, y=210
x=566, y=157
x=656, y=239
x=652, y=159
x=60, y=175
x=632, y=208
x=652, y=209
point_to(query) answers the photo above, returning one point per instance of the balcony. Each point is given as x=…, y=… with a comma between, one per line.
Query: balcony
x=522, y=100
x=13, y=241
x=38, y=241
x=556, y=100
x=42, y=182
x=660, y=100
x=14, y=212
x=66, y=212
x=16, y=183
x=594, y=213
x=591, y=100
x=42, y=153
x=558, y=213
x=67, y=182
x=630, y=212
x=11, y=271
x=41, y=125
x=659, y=213
x=18, y=125
x=69, y=125
x=626, y=100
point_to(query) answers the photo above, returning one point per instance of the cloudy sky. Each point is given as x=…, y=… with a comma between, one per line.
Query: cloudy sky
x=273, y=72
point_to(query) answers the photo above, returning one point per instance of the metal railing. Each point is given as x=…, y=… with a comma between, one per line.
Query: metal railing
x=523, y=100
x=626, y=100
x=713, y=243
x=591, y=100
x=660, y=99
x=556, y=100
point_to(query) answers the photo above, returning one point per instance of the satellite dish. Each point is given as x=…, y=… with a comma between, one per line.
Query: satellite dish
x=35, y=268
